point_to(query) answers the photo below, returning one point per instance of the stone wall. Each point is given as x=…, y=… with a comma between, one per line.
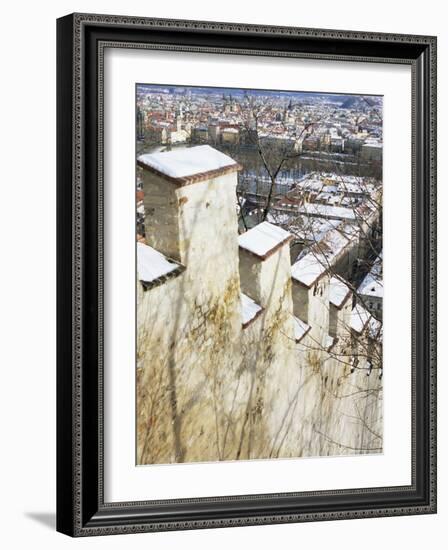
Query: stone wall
x=329, y=410
x=189, y=329
x=209, y=389
x=268, y=348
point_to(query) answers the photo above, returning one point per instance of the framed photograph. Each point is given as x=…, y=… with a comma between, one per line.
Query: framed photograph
x=246, y=274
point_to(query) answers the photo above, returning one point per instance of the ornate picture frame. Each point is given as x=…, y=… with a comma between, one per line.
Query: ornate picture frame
x=81, y=506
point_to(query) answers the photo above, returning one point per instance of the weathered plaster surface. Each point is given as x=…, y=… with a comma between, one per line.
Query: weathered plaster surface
x=209, y=389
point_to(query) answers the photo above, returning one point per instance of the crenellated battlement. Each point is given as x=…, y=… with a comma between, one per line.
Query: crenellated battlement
x=223, y=318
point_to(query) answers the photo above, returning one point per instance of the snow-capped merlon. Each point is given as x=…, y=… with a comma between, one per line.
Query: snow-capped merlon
x=360, y=318
x=152, y=265
x=308, y=269
x=375, y=329
x=301, y=329
x=249, y=310
x=318, y=261
x=188, y=164
x=339, y=291
x=329, y=342
x=264, y=239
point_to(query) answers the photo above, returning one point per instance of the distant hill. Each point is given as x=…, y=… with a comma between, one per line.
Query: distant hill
x=358, y=102
x=345, y=101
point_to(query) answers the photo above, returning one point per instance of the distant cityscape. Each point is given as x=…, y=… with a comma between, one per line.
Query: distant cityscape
x=313, y=122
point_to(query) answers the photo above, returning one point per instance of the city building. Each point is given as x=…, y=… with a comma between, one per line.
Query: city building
x=371, y=289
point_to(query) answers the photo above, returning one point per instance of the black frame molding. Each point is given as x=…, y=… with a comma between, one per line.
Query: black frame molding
x=81, y=39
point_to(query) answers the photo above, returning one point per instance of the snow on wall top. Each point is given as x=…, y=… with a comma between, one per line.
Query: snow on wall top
x=152, y=264
x=360, y=318
x=320, y=258
x=338, y=291
x=300, y=329
x=184, y=163
x=308, y=269
x=328, y=342
x=249, y=309
x=263, y=239
x=375, y=329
